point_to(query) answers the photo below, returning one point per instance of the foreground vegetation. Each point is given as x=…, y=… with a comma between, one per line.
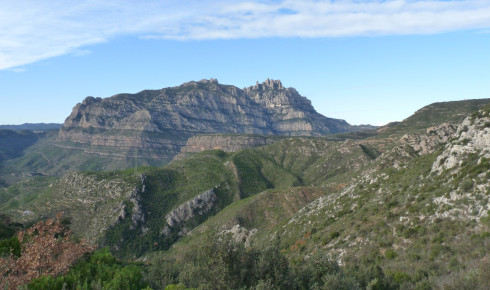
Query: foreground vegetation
x=224, y=263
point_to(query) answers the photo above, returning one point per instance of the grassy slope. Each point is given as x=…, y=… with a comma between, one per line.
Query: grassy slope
x=12, y=143
x=434, y=115
x=296, y=164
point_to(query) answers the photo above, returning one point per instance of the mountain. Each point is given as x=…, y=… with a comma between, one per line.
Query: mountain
x=153, y=126
x=12, y=143
x=405, y=210
x=32, y=127
x=157, y=123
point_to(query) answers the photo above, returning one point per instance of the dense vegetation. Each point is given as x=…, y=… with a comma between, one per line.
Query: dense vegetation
x=225, y=264
x=100, y=270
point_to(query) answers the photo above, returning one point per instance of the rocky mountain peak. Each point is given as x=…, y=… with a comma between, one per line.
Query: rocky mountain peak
x=210, y=81
x=159, y=122
x=267, y=85
x=273, y=84
x=91, y=100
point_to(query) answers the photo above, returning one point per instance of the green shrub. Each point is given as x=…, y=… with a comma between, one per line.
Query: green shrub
x=10, y=246
x=390, y=254
x=100, y=270
x=334, y=235
x=467, y=185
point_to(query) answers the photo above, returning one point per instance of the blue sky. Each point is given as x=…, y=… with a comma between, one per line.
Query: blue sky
x=362, y=61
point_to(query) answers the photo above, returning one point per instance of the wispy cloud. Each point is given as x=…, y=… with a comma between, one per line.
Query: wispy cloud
x=36, y=30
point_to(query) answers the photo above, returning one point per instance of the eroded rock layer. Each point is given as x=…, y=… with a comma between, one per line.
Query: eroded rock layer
x=157, y=123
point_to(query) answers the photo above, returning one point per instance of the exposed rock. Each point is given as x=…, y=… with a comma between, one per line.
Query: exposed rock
x=92, y=204
x=425, y=144
x=241, y=234
x=137, y=216
x=473, y=136
x=198, y=206
x=158, y=122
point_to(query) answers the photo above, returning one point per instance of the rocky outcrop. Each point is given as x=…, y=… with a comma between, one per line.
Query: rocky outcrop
x=472, y=136
x=158, y=122
x=198, y=206
x=92, y=204
x=227, y=143
x=425, y=144
x=137, y=215
x=240, y=234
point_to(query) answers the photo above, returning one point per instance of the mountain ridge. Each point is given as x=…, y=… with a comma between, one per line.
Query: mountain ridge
x=170, y=116
x=32, y=126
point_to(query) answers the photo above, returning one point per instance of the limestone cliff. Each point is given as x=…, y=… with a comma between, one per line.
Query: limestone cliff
x=158, y=123
x=198, y=206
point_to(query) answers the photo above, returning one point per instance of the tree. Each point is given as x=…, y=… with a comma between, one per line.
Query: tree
x=47, y=248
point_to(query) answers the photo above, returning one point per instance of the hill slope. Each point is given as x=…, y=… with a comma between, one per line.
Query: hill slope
x=407, y=210
x=422, y=221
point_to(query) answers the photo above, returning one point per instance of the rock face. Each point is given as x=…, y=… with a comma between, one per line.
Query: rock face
x=227, y=143
x=198, y=206
x=241, y=234
x=473, y=136
x=425, y=144
x=157, y=123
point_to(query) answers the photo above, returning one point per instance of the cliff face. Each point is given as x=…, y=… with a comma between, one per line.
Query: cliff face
x=161, y=121
x=206, y=107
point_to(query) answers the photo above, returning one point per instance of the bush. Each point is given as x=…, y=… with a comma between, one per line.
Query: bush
x=100, y=270
x=334, y=235
x=225, y=264
x=390, y=254
x=10, y=247
x=467, y=185
x=45, y=249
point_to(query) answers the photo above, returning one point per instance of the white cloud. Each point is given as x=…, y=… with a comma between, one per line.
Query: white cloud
x=36, y=30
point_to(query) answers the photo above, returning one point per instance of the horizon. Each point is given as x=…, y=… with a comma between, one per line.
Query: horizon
x=366, y=62
x=61, y=123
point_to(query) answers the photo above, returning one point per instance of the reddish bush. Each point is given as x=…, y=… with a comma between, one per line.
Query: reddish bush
x=47, y=248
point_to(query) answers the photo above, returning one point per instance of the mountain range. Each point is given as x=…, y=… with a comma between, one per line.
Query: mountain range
x=152, y=126
x=157, y=123
x=404, y=206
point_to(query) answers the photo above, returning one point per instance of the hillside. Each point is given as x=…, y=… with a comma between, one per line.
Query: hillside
x=420, y=222
x=434, y=115
x=12, y=143
x=400, y=211
x=32, y=127
x=154, y=192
